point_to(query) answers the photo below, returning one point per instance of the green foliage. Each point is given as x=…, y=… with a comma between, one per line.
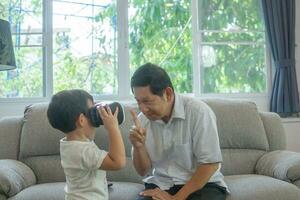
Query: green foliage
x=238, y=67
x=27, y=79
x=159, y=32
x=73, y=72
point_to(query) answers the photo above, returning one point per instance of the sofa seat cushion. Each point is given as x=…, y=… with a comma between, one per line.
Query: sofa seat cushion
x=46, y=191
x=124, y=190
x=297, y=183
x=55, y=191
x=258, y=187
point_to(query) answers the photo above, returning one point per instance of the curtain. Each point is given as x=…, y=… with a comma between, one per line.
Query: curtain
x=279, y=17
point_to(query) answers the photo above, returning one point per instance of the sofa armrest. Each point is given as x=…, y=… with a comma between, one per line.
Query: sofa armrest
x=283, y=165
x=2, y=197
x=14, y=177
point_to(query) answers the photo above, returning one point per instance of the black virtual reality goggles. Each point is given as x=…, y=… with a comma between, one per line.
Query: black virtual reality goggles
x=95, y=116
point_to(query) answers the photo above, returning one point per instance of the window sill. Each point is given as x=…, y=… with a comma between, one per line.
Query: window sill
x=291, y=120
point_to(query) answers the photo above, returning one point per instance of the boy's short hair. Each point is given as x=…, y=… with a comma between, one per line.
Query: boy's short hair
x=65, y=108
x=153, y=76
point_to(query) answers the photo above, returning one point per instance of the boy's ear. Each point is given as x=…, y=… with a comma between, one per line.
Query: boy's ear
x=80, y=120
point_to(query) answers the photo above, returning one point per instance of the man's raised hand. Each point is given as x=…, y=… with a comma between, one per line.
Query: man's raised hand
x=137, y=134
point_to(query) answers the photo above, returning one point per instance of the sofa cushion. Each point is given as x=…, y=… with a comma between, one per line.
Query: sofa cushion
x=239, y=124
x=14, y=177
x=46, y=168
x=297, y=183
x=10, y=129
x=124, y=190
x=37, y=130
x=127, y=174
x=283, y=165
x=240, y=161
x=249, y=187
x=46, y=191
x=40, y=145
x=38, y=137
x=274, y=130
x=3, y=197
x=55, y=191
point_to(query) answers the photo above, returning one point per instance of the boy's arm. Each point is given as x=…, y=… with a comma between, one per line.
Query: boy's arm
x=116, y=158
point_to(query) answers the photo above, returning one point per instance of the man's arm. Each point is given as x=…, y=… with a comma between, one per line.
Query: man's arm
x=198, y=180
x=141, y=160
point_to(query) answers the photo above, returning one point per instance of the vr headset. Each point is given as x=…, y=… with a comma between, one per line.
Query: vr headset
x=95, y=116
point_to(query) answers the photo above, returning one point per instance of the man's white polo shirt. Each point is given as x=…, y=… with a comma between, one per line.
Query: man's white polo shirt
x=177, y=148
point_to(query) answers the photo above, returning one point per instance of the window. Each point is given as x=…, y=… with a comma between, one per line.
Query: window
x=97, y=44
x=27, y=29
x=231, y=47
x=161, y=32
x=85, y=46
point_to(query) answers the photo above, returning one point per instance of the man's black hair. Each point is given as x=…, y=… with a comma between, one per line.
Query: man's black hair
x=151, y=75
x=65, y=108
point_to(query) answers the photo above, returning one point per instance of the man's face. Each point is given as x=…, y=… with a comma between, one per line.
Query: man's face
x=153, y=106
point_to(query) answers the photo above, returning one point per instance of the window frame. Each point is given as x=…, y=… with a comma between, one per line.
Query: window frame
x=197, y=84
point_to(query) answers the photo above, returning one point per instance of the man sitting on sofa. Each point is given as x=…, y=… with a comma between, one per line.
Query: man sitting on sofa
x=175, y=141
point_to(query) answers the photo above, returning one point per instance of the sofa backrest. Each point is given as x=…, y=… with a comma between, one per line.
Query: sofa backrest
x=39, y=146
x=243, y=134
x=244, y=137
x=10, y=131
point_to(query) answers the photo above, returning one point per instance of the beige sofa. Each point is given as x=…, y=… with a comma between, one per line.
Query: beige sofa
x=255, y=165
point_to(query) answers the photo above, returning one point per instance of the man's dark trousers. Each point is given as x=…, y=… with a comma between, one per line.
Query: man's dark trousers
x=210, y=191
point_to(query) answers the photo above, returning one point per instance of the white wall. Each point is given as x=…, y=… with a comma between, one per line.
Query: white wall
x=14, y=108
x=292, y=129
x=292, y=126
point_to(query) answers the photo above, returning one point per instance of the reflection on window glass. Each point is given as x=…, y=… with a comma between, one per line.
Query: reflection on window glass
x=232, y=47
x=160, y=32
x=228, y=68
x=26, y=19
x=85, y=45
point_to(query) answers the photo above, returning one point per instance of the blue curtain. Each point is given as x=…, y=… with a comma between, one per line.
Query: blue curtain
x=279, y=16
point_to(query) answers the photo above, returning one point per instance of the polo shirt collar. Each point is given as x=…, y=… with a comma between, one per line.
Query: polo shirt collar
x=178, y=109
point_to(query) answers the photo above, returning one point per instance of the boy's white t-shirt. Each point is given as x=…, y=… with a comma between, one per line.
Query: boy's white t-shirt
x=81, y=162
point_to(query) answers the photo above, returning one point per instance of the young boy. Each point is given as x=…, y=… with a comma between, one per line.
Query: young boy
x=83, y=162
